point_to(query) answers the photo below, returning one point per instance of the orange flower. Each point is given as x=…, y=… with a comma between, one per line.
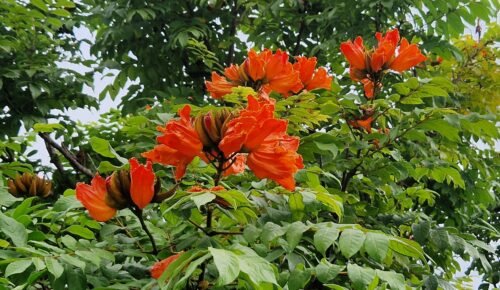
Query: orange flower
x=142, y=183
x=93, y=197
x=271, y=153
x=278, y=160
x=103, y=197
x=368, y=66
x=263, y=70
x=365, y=123
x=311, y=78
x=160, y=267
x=219, y=86
x=408, y=56
x=227, y=140
x=178, y=145
x=355, y=53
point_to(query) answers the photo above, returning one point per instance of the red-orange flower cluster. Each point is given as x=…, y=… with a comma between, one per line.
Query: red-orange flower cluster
x=267, y=71
x=368, y=66
x=271, y=152
x=103, y=197
x=228, y=140
x=160, y=266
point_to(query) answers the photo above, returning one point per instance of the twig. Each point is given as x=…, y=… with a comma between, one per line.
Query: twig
x=138, y=213
x=67, y=154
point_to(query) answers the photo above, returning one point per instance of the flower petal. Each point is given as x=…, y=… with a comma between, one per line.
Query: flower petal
x=179, y=144
x=142, y=182
x=93, y=199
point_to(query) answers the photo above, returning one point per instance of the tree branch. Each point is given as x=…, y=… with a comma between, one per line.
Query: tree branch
x=302, y=28
x=232, y=32
x=54, y=159
x=67, y=154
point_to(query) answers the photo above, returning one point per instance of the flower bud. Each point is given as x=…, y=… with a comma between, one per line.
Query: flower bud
x=29, y=184
x=212, y=126
x=118, y=188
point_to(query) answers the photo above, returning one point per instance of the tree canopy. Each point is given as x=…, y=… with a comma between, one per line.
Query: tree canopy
x=298, y=144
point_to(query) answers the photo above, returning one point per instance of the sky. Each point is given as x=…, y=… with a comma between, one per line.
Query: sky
x=90, y=115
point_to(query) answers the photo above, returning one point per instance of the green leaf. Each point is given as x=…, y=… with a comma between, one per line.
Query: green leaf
x=89, y=256
x=401, y=89
x=333, y=202
x=271, y=231
x=439, y=237
x=193, y=265
x=54, y=267
x=296, y=204
x=66, y=203
x=396, y=280
x=14, y=230
x=17, y=267
x=103, y=147
x=81, y=231
x=325, y=237
x=202, y=199
x=46, y=128
x=61, y=12
x=298, y=278
x=406, y=247
x=257, y=268
x=360, y=276
x=73, y=261
x=442, y=127
x=335, y=287
x=325, y=271
x=377, y=245
x=294, y=234
x=40, y=4
x=330, y=147
x=421, y=231
x=227, y=264
x=351, y=241
x=106, y=166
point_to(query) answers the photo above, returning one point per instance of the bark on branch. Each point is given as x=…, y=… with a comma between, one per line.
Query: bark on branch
x=66, y=153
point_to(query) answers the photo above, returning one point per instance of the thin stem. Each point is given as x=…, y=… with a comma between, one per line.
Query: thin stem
x=138, y=213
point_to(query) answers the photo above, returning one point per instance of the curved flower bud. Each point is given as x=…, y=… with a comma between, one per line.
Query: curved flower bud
x=29, y=184
x=118, y=189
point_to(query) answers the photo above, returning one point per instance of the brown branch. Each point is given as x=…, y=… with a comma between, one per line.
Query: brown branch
x=302, y=28
x=67, y=154
x=232, y=32
x=54, y=159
